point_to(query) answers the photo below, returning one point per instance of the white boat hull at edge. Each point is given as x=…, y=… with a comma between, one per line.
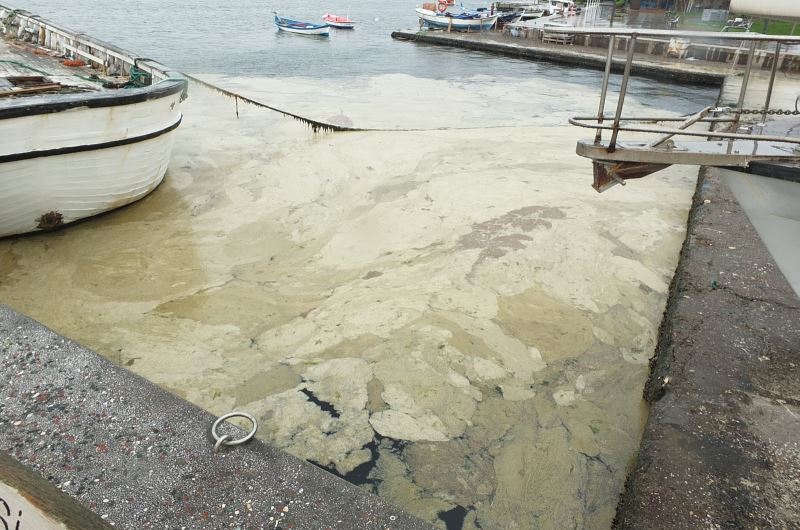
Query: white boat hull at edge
x=771, y=204
x=86, y=125
x=46, y=193
x=60, y=167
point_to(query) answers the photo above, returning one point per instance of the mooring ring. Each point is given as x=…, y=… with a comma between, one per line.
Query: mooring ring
x=226, y=439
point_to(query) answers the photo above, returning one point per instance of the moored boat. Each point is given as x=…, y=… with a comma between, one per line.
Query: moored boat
x=302, y=28
x=452, y=19
x=76, y=142
x=520, y=11
x=336, y=21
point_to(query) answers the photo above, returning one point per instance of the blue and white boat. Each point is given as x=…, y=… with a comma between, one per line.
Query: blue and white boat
x=303, y=28
x=459, y=21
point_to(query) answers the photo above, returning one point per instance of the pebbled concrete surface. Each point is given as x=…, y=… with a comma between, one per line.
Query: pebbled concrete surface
x=140, y=457
x=721, y=448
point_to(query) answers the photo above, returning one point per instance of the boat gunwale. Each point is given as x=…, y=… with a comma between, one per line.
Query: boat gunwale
x=298, y=24
x=52, y=103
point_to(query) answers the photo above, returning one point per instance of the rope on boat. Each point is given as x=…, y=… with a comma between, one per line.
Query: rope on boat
x=23, y=65
x=29, y=67
x=317, y=126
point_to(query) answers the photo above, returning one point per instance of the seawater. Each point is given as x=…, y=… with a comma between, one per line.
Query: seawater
x=240, y=39
x=452, y=319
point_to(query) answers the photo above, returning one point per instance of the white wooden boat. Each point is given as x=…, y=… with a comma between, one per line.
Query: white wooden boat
x=518, y=11
x=68, y=152
x=464, y=21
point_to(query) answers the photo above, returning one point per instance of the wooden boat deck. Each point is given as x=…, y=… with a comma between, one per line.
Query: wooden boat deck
x=28, y=60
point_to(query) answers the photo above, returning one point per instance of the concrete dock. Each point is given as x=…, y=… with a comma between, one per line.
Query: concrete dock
x=655, y=64
x=136, y=456
x=721, y=446
x=656, y=67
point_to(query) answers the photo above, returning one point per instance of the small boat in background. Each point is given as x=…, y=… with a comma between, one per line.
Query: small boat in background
x=446, y=16
x=303, y=28
x=521, y=10
x=338, y=22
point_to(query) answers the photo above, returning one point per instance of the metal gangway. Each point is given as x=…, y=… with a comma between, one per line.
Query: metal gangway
x=615, y=160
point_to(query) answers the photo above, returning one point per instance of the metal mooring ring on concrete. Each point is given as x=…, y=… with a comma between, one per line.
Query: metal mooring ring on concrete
x=226, y=439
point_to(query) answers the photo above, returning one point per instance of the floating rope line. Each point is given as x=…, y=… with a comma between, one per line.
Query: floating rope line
x=317, y=126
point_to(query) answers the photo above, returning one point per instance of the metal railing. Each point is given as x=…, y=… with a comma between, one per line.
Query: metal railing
x=598, y=122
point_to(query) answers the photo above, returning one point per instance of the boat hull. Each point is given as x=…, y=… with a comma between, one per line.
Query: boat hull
x=301, y=28
x=316, y=31
x=771, y=204
x=335, y=21
x=437, y=20
x=60, y=166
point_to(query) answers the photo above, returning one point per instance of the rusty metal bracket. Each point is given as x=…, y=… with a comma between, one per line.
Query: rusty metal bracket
x=608, y=174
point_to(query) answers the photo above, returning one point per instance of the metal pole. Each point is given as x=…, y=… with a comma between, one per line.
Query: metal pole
x=632, y=46
x=771, y=81
x=606, y=75
x=745, y=80
x=700, y=116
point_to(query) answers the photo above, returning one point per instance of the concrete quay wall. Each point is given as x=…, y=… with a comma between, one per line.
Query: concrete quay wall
x=696, y=73
x=721, y=448
x=96, y=446
x=708, y=50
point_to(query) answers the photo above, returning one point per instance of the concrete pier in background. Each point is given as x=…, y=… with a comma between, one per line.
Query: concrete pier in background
x=656, y=67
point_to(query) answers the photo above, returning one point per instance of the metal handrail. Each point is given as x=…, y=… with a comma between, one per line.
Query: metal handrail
x=633, y=34
x=578, y=121
x=645, y=32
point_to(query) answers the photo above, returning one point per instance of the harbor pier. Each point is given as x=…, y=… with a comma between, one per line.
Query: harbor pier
x=650, y=59
x=721, y=448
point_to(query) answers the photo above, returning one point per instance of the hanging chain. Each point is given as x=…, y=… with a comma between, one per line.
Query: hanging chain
x=771, y=112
